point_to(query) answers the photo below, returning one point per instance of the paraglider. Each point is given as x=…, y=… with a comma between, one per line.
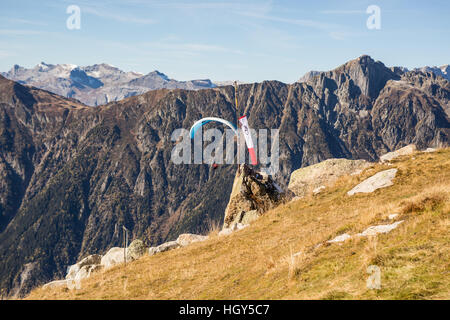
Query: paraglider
x=244, y=125
x=203, y=121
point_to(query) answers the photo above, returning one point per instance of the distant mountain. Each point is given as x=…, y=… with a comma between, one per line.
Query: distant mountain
x=71, y=175
x=443, y=71
x=227, y=83
x=97, y=84
x=309, y=75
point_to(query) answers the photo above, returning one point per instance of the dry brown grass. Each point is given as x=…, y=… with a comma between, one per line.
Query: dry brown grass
x=260, y=262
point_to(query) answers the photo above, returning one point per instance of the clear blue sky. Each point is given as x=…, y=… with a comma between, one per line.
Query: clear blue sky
x=224, y=40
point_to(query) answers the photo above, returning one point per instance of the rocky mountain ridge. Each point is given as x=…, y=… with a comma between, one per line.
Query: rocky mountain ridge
x=442, y=71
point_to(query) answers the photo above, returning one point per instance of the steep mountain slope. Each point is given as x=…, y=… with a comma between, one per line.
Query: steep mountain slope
x=431, y=72
x=97, y=84
x=73, y=173
x=285, y=254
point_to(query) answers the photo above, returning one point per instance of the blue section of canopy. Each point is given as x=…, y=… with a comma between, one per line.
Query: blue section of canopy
x=197, y=125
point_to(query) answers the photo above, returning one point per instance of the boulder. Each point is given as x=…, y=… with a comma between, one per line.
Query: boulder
x=188, y=238
x=384, y=228
x=93, y=259
x=168, y=246
x=135, y=250
x=112, y=257
x=341, y=238
x=55, y=284
x=234, y=227
x=253, y=194
x=321, y=174
x=409, y=149
x=163, y=247
x=382, y=179
x=85, y=271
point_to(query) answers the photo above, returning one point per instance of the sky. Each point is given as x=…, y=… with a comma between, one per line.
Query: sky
x=250, y=41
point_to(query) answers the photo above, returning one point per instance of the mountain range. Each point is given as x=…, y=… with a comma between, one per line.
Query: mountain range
x=443, y=71
x=102, y=83
x=71, y=175
x=97, y=84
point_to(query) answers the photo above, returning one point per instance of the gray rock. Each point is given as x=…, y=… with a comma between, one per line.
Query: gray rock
x=55, y=284
x=93, y=259
x=168, y=246
x=340, y=238
x=385, y=228
x=315, y=177
x=382, y=179
x=164, y=247
x=85, y=271
x=233, y=228
x=152, y=250
x=409, y=149
x=188, y=238
x=113, y=257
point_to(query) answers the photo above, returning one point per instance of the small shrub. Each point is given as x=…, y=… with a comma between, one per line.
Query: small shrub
x=428, y=203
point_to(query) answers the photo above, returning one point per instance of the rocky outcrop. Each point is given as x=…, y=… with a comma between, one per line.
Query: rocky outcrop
x=409, y=149
x=253, y=194
x=382, y=179
x=313, y=177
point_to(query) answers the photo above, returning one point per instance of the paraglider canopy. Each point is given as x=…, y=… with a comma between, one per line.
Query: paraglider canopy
x=244, y=124
x=203, y=121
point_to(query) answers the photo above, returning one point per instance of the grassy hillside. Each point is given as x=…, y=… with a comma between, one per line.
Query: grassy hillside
x=260, y=262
